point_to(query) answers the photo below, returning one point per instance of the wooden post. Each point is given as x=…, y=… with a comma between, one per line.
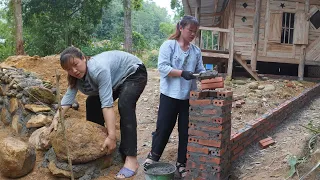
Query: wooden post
x=231, y=52
x=302, y=62
x=255, y=38
x=303, y=47
x=197, y=15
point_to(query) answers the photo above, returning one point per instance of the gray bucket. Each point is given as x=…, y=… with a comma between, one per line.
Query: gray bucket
x=160, y=171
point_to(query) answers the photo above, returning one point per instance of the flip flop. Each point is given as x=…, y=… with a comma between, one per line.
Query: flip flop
x=127, y=173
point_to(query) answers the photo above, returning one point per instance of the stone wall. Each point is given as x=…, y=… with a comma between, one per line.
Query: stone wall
x=26, y=102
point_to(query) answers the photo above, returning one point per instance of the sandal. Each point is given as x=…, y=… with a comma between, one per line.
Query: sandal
x=127, y=173
x=147, y=162
x=181, y=168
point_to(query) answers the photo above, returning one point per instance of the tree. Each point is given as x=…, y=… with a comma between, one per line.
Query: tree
x=7, y=46
x=50, y=26
x=177, y=6
x=18, y=27
x=127, y=6
x=127, y=26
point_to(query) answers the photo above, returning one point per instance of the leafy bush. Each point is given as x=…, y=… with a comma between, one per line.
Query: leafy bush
x=99, y=47
x=152, y=59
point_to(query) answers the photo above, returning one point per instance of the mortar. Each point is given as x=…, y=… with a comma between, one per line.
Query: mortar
x=160, y=171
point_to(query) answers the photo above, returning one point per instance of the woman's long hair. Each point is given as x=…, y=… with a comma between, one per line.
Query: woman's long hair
x=66, y=58
x=186, y=20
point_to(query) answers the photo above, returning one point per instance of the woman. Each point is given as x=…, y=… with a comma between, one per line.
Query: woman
x=178, y=60
x=104, y=78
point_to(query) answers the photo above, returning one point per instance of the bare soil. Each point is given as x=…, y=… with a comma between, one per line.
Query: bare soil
x=256, y=103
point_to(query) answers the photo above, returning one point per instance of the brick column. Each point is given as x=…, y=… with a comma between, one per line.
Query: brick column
x=208, y=156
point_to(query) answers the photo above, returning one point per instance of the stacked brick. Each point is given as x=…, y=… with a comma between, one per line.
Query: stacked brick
x=208, y=156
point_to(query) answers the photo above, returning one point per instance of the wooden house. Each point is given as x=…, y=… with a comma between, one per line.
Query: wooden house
x=251, y=31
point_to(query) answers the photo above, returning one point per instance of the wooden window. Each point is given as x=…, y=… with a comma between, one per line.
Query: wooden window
x=288, y=20
x=275, y=27
x=315, y=19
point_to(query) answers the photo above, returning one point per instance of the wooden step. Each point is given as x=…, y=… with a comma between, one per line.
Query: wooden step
x=247, y=67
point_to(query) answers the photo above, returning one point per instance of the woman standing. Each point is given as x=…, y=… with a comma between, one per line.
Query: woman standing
x=178, y=60
x=105, y=78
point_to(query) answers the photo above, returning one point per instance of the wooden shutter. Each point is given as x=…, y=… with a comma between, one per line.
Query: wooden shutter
x=275, y=28
x=300, y=34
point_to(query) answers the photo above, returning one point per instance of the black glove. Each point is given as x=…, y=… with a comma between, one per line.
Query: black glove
x=187, y=75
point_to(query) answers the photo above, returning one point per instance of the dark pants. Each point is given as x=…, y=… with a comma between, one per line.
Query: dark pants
x=128, y=93
x=169, y=109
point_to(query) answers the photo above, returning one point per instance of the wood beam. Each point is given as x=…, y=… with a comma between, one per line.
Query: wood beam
x=303, y=47
x=232, y=13
x=255, y=38
x=266, y=32
x=188, y=4
x=231, y=52
x=197, y=15
x=214, y=29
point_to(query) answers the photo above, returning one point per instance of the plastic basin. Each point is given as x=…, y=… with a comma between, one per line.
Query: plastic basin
x=160, y=171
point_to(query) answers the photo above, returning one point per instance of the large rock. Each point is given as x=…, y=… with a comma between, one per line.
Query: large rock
x=253, y=85
x=90, y=170
x=1, y=91
x=5, y=116
x=37, y=108
x=84, y=139
x=40, y=138
x=16, y=125
x=38, y=121
x=41, y=94
x=17, y=158
x=14, y=105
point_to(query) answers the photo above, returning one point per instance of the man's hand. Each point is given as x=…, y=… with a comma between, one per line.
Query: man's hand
x=187, y=75
x=110, y=143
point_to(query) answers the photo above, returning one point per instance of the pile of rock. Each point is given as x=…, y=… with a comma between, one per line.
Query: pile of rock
x=26, y=102
x=27, y=106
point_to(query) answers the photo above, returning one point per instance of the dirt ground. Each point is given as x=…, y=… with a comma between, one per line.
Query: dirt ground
x=256, y=103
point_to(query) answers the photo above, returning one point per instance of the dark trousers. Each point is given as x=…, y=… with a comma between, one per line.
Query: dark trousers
x=169, y=109
x=128, y=93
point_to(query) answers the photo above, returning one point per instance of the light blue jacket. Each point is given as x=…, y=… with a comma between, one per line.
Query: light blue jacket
x=171, y=56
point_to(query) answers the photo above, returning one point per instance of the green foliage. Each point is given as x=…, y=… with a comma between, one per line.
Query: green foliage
x=177, y=6
x=50, y=26
x=209, y=41
x=167, y=28
x=152, y=59
x=99, y=47
x=145, y=21
x=139, y=42
x=6, y=33
x=137, y=4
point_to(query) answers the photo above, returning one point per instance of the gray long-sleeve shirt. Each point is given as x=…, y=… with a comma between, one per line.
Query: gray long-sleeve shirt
x=105, y=72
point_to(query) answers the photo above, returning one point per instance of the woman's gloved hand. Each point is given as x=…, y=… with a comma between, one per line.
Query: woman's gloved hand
x=187, y=75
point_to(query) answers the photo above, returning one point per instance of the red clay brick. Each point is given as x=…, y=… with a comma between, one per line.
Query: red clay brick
x=212, y=80
x=221, y=102
x=207, y=159
x=212, y=85
x=200, y=102
x=266, y=143
x=205, y=142
x=194, y=132
x=209, y=111
x=198, y=150
x=265, y=140
x=199, y=94
x=225, y=94
x=218, y=120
